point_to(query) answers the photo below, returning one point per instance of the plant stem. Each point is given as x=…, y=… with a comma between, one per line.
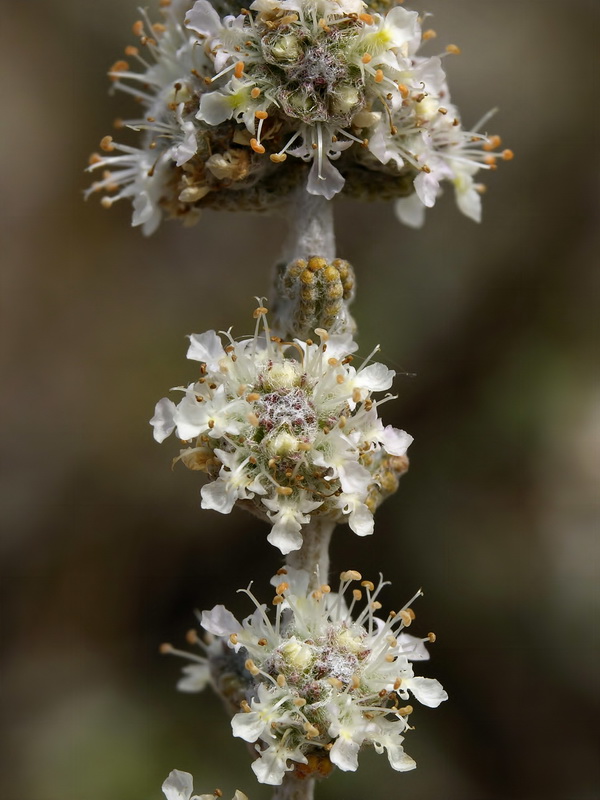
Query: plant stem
x=311, y=227
x=313, y=556
x=293, y=788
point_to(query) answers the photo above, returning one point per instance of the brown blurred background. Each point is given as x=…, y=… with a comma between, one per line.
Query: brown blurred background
x=105, y=551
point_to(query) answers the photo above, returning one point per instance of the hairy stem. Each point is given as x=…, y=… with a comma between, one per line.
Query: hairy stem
x=313, y=556
x=293, y=788
x=311, y=227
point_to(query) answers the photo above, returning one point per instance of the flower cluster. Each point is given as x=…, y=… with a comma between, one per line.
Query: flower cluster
x=179, y=786
x=320, y=684
x=227, y=98
x=289, y=428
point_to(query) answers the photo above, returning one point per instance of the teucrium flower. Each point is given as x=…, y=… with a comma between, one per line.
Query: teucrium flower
x=322, y=678
x=227, y=98
x=290, y=428
x=179, y=786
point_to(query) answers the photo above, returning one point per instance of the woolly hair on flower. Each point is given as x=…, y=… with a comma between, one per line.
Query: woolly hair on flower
x=289, y=429
x=318, y=681
x=241, y=106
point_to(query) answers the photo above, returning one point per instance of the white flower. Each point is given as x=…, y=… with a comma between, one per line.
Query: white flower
x=179, y=786
x=322, y=681
x=227, y=99
x=293, y=430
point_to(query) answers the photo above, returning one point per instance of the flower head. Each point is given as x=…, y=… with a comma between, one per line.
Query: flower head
x=234, y=103
x=323, y=679
x=289, y=428
x=179, y=786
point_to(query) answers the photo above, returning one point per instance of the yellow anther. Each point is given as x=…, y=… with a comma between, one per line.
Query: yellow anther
x=429, y=34
x=261, y=114
x=239, y=69
x=251, y=667
x=350, y=575
x=284, y=490
x=493, y=143
x=106, y=144
x=508, y=155
x=278, y=158
x=368, y=585
x=405, y=711
x=406, y=618
x=258, y=148
x=233, y=638
x=282, y=587
x=378, y=76
x=454, y=49
x=431, y=636
x=357, y=594
x=366, y=18
x=191, y=636
x=366, y=58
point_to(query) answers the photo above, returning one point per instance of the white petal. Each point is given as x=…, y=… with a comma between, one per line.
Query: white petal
x=396, y=441
x=285, y=535
x=376, y=377
x=197, y=676
x=405, y=24
x=468, y=200
x=219, y=621
x=162, y=421
x=354, y=478
x=399, y=760
x=247, y=726
x=206, y=347
x=270, y=767
x=203, y=18
x=340, y=345
x=145, y=212
x=215, y=108
x=187, y=149
x=411, y=211
x=215, y=496
x=427, y=690
x=427, y=187
x=344, y=754
x=361, y=521
x=178, y=786
x=413, y=648
x=329, y=183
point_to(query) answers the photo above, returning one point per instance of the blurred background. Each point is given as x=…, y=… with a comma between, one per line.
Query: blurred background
x=493, y=330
